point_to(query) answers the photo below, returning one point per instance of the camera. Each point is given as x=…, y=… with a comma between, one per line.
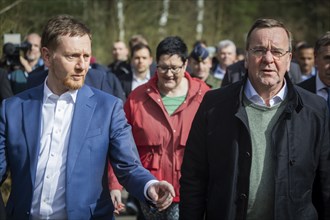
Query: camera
x=12, y=52
x=12, y=49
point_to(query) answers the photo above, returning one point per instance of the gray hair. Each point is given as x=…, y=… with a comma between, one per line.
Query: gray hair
x=226, y=43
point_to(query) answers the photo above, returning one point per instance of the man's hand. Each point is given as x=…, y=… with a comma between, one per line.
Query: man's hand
x=25, y=64
x=162, y=194
x=116, y=201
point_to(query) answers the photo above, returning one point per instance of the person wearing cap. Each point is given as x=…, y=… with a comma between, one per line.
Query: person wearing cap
x=200, y=65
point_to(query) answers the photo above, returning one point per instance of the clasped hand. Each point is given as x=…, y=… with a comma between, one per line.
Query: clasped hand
x=162, y=194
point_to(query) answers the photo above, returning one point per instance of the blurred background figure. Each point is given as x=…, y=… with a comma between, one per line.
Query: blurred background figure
x=30, y=60
x=200, y=64
x=320, y=83
x=305, y=59
x=120, y=56
x=139, y=71
x=225, y=56
x=137, y=39
x=240, y=54
x=5, y=88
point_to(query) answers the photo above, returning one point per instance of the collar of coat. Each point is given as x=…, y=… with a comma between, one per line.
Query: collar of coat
x=295, y=102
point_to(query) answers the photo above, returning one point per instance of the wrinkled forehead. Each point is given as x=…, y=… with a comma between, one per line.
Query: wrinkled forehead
x=274, y=36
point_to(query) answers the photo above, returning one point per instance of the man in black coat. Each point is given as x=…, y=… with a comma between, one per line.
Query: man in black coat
x=320, y=83
x=257, y=147
x=139, y=71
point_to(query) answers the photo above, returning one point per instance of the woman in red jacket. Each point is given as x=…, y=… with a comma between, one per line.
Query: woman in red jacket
x=160, y=113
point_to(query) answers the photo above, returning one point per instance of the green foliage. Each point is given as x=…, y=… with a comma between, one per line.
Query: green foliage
x=228, y=19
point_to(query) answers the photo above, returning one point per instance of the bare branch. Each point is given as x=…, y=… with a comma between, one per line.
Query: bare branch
x=10, y=6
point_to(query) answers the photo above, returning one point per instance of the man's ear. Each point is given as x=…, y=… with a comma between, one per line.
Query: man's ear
x=289, y=62
x=245, y=60
x=45, y=55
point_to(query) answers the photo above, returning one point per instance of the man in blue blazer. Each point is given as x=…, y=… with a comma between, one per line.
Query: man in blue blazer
x=57, y=138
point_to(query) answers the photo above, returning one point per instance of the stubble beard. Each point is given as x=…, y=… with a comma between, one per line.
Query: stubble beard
x=73, y=85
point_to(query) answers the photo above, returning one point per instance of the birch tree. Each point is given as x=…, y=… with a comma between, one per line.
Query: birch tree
x=121, y=19
x=200, y=19
x=164, y=18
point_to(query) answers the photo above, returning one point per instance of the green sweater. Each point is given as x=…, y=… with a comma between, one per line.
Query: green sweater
x=262, y=184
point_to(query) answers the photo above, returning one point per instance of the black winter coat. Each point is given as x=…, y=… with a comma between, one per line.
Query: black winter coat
x=217, y=159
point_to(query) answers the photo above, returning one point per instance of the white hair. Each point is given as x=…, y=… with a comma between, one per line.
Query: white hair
x=226, y=43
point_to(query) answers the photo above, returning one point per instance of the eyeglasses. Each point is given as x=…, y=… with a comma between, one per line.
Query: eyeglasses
x=262, y=51
x=173, y=69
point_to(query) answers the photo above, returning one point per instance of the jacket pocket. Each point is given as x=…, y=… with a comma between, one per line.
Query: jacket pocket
x=179, y=157
x=150, y=156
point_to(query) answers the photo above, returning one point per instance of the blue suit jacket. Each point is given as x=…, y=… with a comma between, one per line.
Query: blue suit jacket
x=98, y=131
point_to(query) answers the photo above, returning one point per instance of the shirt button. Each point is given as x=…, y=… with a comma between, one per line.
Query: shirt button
x=174, y=130
x=28, y=213
x=47, y=176
x=158, y=100
x=247, y=154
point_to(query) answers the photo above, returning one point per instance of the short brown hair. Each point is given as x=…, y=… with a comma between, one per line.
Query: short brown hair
x=62, y=25
x=268, y=23
x=322, y=42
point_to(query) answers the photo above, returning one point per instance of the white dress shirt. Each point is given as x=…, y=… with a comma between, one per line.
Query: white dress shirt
x=219, y=73
x=255, y=98
x=50, y=184
x=137, y=81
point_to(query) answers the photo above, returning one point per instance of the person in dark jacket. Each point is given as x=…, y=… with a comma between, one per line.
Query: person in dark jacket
x=5, y=88
x=320, y=83
x=257, y=147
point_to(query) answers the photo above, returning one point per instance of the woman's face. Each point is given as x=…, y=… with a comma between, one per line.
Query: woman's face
x=170, y=71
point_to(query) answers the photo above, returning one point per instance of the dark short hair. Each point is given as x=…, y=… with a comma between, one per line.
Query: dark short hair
x=305, y=46
x=140, y=46
x=323, y=41
x=172, y=45
x=268, y=23
x=62, y=25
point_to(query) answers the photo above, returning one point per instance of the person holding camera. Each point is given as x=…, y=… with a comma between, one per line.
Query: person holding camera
x=28, y=62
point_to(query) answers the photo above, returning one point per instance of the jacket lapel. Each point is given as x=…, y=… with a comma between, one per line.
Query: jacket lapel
x=31, y=126
x=83, y=113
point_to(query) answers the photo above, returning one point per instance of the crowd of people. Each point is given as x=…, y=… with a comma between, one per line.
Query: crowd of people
x=190, y=134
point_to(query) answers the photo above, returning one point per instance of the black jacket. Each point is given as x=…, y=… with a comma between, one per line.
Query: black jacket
x=217, y=159
x=309, y=84
x=5, y=88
